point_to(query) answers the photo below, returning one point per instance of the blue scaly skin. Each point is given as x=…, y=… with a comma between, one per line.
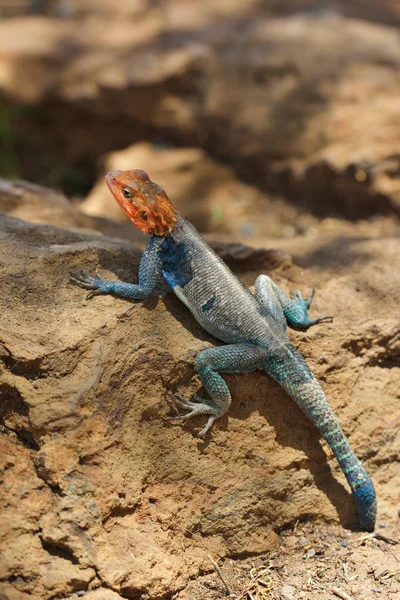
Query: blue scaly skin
x=252, y=326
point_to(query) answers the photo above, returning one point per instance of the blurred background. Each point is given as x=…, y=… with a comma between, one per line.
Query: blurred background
x=272, y=118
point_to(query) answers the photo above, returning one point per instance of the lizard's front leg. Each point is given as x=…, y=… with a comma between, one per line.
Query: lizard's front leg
x=150, y=277
x=235, y=358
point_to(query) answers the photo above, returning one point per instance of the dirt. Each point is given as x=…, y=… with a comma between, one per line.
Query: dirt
x=310, y=562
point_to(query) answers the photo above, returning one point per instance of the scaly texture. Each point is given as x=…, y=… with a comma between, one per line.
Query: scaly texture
x=253, y=326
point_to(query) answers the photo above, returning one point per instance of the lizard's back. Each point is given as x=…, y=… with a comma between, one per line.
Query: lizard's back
x=221, y=303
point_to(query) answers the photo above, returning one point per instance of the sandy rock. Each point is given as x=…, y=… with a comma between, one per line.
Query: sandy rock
x=206, y=192
x=240, y=257
x=102, y=594
x=37, y=204
x=185, y=14
x=98, y=487
x=212, y=197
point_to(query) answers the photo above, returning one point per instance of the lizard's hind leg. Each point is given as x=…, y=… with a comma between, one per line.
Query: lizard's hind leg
x=235, y=358
x=269, y=301
x=295, y=308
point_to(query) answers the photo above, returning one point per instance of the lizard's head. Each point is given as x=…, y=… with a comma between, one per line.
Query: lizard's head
x=144, y=202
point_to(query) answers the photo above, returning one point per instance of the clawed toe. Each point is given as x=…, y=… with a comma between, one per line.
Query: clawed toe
x=183, y=403
x=297, y=295
x=182, y=417
x=208, y=426
x=196, y=406
x=327, y=318
x=310, y=297
x=93, y=293
x=83, y=279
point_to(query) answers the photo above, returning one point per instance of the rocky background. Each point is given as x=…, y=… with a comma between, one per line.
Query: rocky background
x=274, y=126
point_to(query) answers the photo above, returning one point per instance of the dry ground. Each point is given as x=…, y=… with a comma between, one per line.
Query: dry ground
x=312, y=562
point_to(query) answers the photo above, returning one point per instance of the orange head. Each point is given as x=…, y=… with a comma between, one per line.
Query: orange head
x=144, y=202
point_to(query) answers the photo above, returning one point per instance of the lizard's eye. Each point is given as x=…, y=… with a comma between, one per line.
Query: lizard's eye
x=127, y=192
x=145, y=216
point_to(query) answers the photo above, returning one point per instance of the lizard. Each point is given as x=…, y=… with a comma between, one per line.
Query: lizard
x=251, y=325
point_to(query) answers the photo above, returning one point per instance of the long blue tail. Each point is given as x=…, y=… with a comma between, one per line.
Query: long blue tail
x=290, y=370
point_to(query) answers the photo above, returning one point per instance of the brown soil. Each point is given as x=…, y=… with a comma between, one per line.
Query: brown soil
x=311, y=562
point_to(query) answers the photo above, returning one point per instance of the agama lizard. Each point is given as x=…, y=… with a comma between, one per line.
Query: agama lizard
x=252, y=325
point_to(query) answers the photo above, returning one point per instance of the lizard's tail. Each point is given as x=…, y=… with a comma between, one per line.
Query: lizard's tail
x=290, y=370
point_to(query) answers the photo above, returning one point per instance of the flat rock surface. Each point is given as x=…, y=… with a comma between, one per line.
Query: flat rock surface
x=101, y=492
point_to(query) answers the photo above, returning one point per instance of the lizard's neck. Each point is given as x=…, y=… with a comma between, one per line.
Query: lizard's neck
x=181, y=227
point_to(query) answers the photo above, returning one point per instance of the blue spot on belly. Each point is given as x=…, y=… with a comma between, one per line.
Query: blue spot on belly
x=169, y=278
x=208, y=305
x=177, y=268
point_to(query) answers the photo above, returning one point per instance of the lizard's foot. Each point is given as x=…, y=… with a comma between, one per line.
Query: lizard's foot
x=298, y=298
x=297, y=314
x=96, y=285
x=198, y=406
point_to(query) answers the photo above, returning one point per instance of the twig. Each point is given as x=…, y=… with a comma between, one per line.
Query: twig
x=379, y=536
x=345, y=572
x=341, y=594
x=219, y=573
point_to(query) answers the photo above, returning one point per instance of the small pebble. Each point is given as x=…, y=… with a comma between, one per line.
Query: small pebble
x=291, y=541
x=310, y=553
x=344, y=543
x=287, y=592
x=303, y=540
x=382, y=525
x=378, y=573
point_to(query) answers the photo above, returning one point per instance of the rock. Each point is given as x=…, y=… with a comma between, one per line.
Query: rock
x=102, y=594
x=37, y=204
x=292, y=541
x=245, y=258
x=385, y=11
x=288, y=592
x=98, y=487
x=206, y=192
x=381, y=572
x=211, y=196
